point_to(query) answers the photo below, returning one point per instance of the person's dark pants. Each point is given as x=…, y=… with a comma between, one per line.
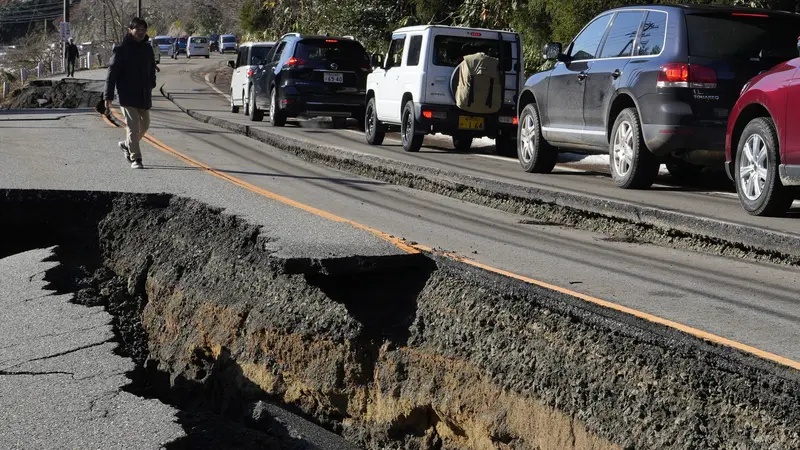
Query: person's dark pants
x=71, y=67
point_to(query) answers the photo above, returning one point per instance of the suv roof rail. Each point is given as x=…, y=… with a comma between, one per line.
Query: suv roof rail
x=349, y=37
x=293, y=33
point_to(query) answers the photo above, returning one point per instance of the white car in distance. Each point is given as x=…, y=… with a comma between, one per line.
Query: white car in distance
x=197, y=46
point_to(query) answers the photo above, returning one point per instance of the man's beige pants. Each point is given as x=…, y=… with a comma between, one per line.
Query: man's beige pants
x=137, y=121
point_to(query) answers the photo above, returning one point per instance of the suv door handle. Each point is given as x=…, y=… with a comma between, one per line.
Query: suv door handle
x=616, y=74
x=582, y=76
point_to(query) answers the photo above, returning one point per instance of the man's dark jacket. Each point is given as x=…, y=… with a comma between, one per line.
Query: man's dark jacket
x=132, y=71
x=72, y=51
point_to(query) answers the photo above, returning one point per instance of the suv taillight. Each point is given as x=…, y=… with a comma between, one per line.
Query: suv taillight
x=677, y=75
x=249, y=73
x=295, y=62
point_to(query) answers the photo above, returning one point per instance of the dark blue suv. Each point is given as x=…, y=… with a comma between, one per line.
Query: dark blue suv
x=649, y=85
x=312, y=76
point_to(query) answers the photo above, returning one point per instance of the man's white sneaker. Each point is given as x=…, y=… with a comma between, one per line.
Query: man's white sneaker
x=125, y=149
x=137, y=164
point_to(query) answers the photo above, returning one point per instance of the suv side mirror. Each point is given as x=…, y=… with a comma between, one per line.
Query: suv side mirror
x=376, y=60
x=232, y=64
x=553, y=51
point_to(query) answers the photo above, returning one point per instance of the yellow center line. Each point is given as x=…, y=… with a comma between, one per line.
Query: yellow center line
x=417, y=248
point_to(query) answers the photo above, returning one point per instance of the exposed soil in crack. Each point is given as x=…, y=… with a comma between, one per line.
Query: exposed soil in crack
x=423, y=353
x=65, y=93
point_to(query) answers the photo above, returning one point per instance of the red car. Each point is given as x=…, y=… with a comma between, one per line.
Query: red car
x=762, y=146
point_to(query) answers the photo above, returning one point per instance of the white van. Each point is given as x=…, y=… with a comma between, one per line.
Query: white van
x=248, y=58
x=197, y=46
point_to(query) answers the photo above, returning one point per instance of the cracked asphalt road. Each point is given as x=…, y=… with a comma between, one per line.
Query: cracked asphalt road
x=60, y=382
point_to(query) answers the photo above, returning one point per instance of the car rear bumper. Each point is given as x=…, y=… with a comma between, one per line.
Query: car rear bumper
x=445, y=119
x=322, y=105
x=665, y=139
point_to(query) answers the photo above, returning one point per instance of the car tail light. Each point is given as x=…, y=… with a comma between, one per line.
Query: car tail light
x=475, y=33
x=677, y=75
x=434, y=114
x=508, y=119
x=295, y=62
x=750, y=15
x=249, y=73
x=331, y=41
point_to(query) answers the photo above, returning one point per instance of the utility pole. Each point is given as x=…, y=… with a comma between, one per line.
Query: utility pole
x=105, y=33
x=139, y=8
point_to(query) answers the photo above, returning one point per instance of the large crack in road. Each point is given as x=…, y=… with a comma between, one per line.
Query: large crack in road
x=414, y=351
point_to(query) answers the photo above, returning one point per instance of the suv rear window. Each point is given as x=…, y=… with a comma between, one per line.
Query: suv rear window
x=200, y=40
x=449, y=51
x=723, y=36
x=228, y=39
x=164, y=41
x=331, y=50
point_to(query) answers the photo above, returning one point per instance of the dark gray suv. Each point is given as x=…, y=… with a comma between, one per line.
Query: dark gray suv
x=649, y=84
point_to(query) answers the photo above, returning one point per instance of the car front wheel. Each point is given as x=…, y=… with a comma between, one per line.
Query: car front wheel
x=758, y=185
x=633, y=165
x=535, y=154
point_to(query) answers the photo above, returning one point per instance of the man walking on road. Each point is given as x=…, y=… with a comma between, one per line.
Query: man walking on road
x=72, y=56
x=132, y=71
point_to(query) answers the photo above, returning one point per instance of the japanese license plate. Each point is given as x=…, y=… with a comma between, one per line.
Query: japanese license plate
x=331, y=77
x=470, y=123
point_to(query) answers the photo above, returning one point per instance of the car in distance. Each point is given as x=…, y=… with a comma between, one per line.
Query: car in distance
x=197, y=46
x=762, y=149
x=312, y=76
x=650, y=85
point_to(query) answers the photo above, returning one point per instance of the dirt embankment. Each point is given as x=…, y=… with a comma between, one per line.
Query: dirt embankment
x=415, y=352
x=66, y=93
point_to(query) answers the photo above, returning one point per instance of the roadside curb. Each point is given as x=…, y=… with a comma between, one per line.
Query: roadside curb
x=744, y=239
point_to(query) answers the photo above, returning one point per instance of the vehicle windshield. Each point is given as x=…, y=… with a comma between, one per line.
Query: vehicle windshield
x=730, y=36
x=331, y=50
x=164, y=41
x=228, y=39
x=259, y=54
x=449, y=51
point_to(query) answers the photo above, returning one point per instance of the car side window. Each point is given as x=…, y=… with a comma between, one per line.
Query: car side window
x=621, y=37
x=276, y=56
x=240, y=60
x=395, y=58
x=585, y=45
x=654, y=33
x=414, y=50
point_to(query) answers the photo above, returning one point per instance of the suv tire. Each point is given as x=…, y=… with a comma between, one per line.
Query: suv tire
x=374, y=131
x=256, y=115
x=462, y=143
x=412, y=141
x=758, y=185
x=633, y=165
x=276, y=117
x=535, y=154
x=234, y=108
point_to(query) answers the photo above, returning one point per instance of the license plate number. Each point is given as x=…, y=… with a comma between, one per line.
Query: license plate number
x=334, y=78
x=470, y=123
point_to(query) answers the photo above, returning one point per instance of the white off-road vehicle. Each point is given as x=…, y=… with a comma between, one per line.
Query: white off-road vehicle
x=414, y=87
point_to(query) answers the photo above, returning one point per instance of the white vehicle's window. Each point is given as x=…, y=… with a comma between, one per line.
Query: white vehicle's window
x=228, y=39
x=585, y=45
x=200, y=41
x=259, y=55
x=654, y=32
x=449, y=51
x=619, y=42
x=414, y=50
x=242, y=58
x=396, y=52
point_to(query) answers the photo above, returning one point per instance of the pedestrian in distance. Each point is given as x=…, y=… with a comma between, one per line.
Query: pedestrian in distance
x=132, y=72
x=71, y=53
